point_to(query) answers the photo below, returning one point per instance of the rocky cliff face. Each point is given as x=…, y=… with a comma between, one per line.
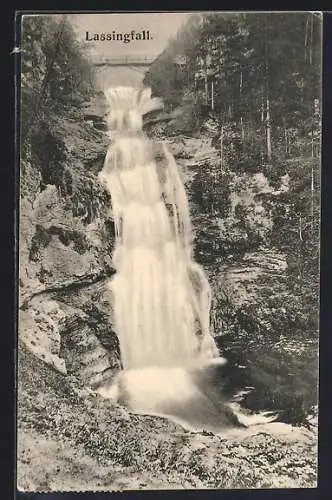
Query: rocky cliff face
x=65, y=254
x=255, y=317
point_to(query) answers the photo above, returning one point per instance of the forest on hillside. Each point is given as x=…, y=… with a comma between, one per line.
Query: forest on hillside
x=56, y=81
x=252, y=84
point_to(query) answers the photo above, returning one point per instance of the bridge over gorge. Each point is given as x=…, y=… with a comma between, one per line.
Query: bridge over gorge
x=125, y=60
x=128, y=69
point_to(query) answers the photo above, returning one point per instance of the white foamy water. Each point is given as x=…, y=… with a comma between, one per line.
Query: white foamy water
x=161, y=297
x=174, y=393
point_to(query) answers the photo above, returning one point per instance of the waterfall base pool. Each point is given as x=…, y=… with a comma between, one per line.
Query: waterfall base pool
x=188, y=396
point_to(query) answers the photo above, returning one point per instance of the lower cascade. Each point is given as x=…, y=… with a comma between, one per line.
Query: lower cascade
x=161, y=297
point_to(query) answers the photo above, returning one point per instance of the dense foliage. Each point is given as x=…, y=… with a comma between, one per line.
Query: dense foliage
x=57, y=146
x=252, y=82
x=56, y=79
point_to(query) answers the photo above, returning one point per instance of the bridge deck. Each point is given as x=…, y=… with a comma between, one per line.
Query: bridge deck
x=121, y=63
x=130, y=60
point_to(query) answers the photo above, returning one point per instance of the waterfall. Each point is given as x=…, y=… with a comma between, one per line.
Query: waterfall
x=161, y=297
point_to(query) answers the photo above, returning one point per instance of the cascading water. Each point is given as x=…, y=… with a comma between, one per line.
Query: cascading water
x=161, y=297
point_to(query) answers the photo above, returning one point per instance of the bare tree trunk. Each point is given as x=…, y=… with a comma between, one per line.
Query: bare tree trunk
x=262, y=125
x=312, y=187
x=212, y=95
x=241, y=118
x=250, y=127
x=262, y=112
x=242, y=129
x=312, y=197
x=268, y=130
x=221, y=147
x=267, y=88
x=306, y=39
x=206, y=88
x=311, y=37
x=241, y=83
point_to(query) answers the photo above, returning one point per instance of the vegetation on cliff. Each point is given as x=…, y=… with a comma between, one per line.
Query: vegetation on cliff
x=250, y=85
x=66, y=232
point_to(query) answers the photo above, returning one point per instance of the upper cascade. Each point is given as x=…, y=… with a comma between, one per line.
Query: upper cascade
x=128, y=106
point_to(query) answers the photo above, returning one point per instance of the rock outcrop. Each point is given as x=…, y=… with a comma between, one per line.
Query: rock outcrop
x=65, y=245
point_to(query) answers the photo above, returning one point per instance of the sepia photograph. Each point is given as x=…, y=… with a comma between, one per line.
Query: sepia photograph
x=169, y=249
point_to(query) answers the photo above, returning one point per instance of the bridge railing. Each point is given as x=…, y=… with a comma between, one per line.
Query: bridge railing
x=125, y=60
